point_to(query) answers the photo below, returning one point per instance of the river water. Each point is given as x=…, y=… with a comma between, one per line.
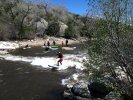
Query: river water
x=20, y=80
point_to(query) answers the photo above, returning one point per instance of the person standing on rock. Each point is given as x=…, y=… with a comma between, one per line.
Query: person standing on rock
x=53, y=42
x=44, y=44
x=62, y=44
x=48, y=43
x=66, y=42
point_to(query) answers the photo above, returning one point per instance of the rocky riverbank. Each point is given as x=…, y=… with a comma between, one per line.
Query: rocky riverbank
x=42, y=41
x=78, y=88
x=6, y=46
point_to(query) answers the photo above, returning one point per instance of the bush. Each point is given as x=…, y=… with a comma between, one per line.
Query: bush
x=53, y=29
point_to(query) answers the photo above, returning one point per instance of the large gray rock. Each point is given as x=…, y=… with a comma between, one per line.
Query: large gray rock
x=63, y=27
x=113, y=96
x=41, y=26
x=81, y=89
x=68, y=95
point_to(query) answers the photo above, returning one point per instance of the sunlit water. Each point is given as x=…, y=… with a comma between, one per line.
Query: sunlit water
x=24, y=75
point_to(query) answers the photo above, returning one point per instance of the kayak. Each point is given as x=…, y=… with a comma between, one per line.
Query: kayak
x=51, y=48
x=55, y=46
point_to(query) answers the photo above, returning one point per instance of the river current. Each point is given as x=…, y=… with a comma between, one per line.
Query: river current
x=21, y=80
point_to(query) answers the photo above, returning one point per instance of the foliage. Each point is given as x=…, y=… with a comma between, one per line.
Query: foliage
x=71, y=31
x=23, y=15
x=111, y=51
x=15, y=12
x=98, y=90
x=53, y=29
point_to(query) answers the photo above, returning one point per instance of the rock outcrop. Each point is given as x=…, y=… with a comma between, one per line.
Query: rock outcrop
x=79, y=91
x=63, y=27
x=77, y=88
x=41, y=26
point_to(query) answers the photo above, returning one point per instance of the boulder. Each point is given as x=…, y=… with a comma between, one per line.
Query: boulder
x=81, y=89
x=68, y=95
x=41, y=26
x=63, y=27
x=126, y=97
x=98, y=90
x=113, y=96
x=81, y=98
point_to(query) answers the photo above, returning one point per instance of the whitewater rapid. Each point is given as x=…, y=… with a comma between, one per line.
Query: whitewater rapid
x=75, y=61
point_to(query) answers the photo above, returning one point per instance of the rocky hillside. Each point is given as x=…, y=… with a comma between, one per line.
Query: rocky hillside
x=24, y=20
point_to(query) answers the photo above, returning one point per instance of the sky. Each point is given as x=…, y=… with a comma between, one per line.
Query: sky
x=74, y=6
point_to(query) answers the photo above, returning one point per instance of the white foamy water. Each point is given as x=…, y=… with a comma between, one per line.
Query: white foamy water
x=70, y=81
x=8, y=45
x=69, y=61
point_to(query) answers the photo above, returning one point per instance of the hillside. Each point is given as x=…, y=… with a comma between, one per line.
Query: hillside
x=23, y=20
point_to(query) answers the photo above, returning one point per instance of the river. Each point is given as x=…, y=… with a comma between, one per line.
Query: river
x=21, y=80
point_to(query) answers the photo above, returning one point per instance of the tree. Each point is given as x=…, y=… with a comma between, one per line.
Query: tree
x=72, y=29
x=16, y=13
x=23, y=14
x=7, y=17
x=69, y=32
x=53, y=29
x=111, y=51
